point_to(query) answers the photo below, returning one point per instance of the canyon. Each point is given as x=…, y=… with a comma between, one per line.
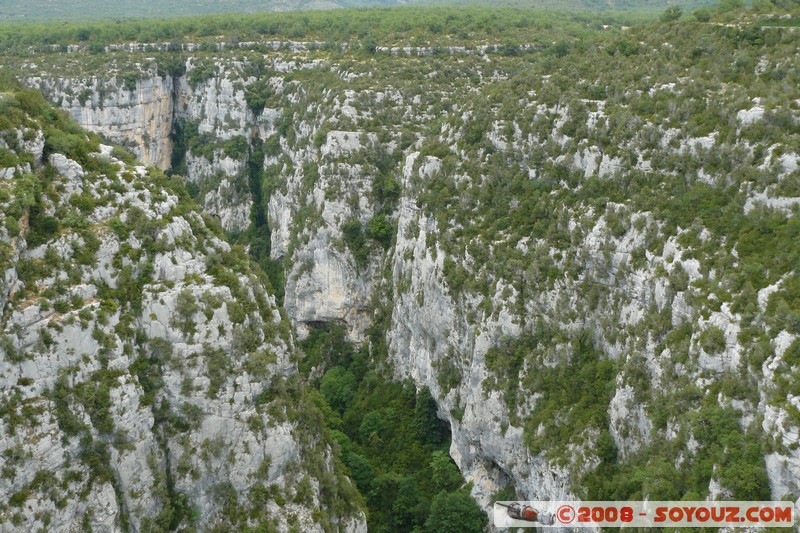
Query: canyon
x=505, y=236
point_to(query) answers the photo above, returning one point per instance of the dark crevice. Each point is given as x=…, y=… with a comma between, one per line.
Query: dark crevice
x=177, y=140
x=258, y=236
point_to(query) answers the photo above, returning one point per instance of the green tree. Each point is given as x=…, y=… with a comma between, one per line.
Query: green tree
x=369, y=44
x=763, y=6
x=725, y=6
x=257, y=94
x=338, y=387
x=444, y=473
x=372, y=427
x=702, y=14
x=455, y=512
x=672, y=13
x=360, y=470
x=380, y=229
x=712, y=340
x=354, y=239
x=410, y=507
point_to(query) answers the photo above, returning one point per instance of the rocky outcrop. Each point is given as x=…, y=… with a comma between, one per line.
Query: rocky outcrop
x=429, y=335
x=325, y=283
x=136, y=114
x=143, y=112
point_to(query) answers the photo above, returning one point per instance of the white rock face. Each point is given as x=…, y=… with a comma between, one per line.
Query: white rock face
x=489, y=451
x=780, y=469
x=139, y=116
x=218, y=106
x=68, y=168
x=750, y=116
x=329, y=292
x=780, y=202
x=629, y=424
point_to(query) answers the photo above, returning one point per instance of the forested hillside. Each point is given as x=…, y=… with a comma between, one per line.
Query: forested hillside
x=81, y=10
x=350, y=29
x=560, y=249
x=88, y=10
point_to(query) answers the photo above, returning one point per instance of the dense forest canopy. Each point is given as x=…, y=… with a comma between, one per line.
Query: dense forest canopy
x=469, y=26
x=386, y=26
x=83, y=10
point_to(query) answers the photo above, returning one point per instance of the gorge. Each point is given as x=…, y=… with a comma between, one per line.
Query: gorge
x=584, y=247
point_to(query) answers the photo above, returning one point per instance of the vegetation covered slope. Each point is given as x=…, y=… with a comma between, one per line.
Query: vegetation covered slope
x=393, y=443
x=148, y=379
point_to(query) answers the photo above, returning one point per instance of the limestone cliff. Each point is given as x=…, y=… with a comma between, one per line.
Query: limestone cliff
x=138, y=114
